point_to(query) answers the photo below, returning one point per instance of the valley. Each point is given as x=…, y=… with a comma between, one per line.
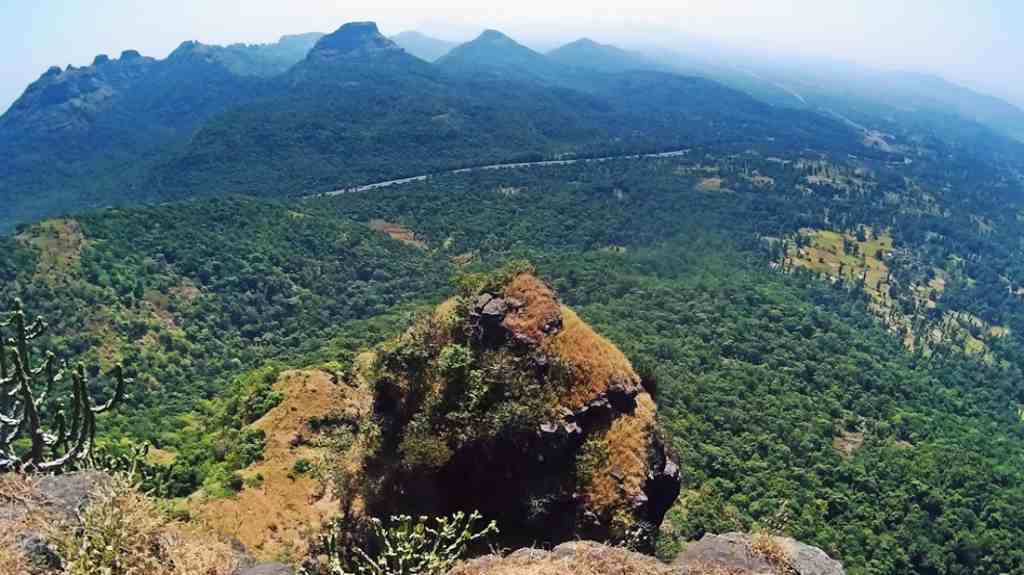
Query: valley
x=356, y=280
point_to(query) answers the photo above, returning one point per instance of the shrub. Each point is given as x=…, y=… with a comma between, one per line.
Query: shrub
x=301, y=467
x=405, y=545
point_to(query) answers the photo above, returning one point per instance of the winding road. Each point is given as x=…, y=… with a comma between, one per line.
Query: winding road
x=388, y=183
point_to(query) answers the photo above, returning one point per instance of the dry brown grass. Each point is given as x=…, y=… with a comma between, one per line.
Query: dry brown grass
x=185, y=292
x=20, y=499
x=709, y=185
x=848, y=443
x=443, y=320
x=625, y=471
x=278, y=517
x=122, y=532
x=773, y=551
x=193, y=552
x=11, y=558
x=595, y=364
x=398, y=232
x=540, y=307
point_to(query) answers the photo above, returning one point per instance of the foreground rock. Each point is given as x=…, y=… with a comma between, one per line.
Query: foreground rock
x=25, y=503
x=32, y=507
x=729, y=554
x=504, y=391
x=744, y=554
x=581, y=557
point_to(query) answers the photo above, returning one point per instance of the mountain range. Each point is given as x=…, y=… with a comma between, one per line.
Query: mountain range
x=355, y=108
x=313, y=113
x=815, y=273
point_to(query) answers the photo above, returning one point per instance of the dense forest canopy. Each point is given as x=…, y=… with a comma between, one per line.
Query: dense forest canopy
x=827, y=304
x=785, y=394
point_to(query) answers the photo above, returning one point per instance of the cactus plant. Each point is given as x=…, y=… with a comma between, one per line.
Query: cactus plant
x=26, y=399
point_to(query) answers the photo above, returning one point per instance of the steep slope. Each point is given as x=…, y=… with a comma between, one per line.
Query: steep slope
x=84, y=136
x=283, y=503
x=586, y=53
x=504, y=390
x=422, y=46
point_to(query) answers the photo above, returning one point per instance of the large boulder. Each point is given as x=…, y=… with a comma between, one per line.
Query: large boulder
x=729, y=554
x=505, y=401
x=745, y=554
x=578, y=557
x=50, y=499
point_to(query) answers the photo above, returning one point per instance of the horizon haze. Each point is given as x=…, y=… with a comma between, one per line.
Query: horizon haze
x=913, y=36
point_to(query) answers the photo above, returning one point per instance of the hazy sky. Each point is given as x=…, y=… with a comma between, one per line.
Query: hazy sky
x=977, y=43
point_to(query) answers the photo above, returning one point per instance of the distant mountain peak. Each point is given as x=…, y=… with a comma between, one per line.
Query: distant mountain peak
x=588, y=53
x=354, y=38
x=491, y=36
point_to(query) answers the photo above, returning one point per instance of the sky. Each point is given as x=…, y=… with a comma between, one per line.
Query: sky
x=974, y=43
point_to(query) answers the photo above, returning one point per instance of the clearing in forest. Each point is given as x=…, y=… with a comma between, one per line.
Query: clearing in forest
x=850, y=256
x=398, y=232
x=60, y=244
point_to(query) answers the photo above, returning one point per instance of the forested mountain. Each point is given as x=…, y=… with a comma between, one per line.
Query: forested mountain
x=494, y=53
x=825, y=300
x=134, y=129
x=356, y=109
x=887, y=101
x=422, y=46
x=586, y=53
x=87, y=136
x=871, y=413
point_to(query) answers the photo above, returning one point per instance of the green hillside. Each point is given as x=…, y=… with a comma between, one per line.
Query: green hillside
x=790, y=399
x=826, y=303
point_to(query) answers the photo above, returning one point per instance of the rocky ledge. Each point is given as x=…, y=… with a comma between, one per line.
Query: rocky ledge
x=729, y=554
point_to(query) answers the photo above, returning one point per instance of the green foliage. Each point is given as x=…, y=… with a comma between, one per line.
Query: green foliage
x=26, y=402
x=757, y=370
x=301, y=467
x=223, y=293
x=407, y=546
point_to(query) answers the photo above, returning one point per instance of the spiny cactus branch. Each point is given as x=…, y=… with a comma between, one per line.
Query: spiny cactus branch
x=25, y=392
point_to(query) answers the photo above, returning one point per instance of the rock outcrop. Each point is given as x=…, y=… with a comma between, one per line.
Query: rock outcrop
x=744, y=554
x=355, y=39
x=56, y=498
x=729, y=554
x=27, y=503
x=578, y=557
x=506, y=402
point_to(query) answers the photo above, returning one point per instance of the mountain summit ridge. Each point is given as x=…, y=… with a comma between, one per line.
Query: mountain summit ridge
x=353, y=39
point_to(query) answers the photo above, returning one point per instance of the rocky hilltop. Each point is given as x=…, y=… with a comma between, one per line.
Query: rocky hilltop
x=731, y=554
x=353, y=39
x=505, y=401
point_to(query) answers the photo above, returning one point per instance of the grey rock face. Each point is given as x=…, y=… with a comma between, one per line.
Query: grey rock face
x=734, y=553
x=63, y=496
